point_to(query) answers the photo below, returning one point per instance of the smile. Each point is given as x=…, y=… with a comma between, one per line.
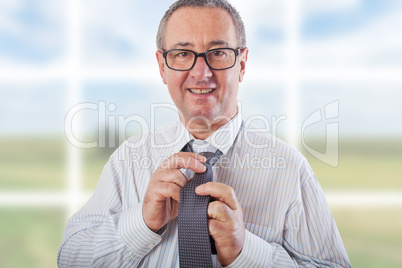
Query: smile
x=201, y=91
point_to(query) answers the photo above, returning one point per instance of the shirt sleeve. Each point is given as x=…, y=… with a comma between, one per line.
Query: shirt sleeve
x=105, y=234
x=310, y=236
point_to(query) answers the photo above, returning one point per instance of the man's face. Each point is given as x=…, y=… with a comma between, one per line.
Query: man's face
x=201, y=29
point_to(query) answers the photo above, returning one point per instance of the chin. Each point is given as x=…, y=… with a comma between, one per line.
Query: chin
x=201, y=118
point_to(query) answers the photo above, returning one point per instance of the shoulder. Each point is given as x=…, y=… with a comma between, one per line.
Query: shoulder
x=259, y=139
x=156, y=136
x=147, y=141
x=263, y=144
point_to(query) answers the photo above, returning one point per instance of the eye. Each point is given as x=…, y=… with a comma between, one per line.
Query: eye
x=218, y=53
x=182, y=54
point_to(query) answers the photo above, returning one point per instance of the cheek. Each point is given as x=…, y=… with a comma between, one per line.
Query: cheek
x=231, y=85
x=175, y=79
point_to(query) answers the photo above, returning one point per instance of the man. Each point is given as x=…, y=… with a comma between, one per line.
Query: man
x=260, y=216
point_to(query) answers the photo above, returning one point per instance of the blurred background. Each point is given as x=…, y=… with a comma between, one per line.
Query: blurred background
x=79, y=77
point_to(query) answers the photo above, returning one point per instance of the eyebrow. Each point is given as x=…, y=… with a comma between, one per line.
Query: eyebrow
x=212, y=43
x=218, y=43
x=183, y=44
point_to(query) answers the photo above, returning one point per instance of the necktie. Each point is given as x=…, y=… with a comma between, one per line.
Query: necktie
x=195, y=244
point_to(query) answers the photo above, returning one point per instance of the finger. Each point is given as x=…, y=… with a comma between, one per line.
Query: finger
x=173, y=176
x=199, y=157
x=169, y=190
x=222, y=192
x=219, y=211
x=216, y=227
x=185, y=160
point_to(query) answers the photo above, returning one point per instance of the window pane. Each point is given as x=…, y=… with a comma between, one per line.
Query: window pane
x=32, y=32
x=370, y=143
x=121, y=109
x=32, y=154
x=32, y=163
x=30, y=237
x=372, y=237
x=351, y=34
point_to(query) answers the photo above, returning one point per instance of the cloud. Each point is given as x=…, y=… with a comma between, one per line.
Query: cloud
x=32, y=108
x=374, y=44
x=119, y=39
x=121, y=32
x=31, y=32
x=313, y=6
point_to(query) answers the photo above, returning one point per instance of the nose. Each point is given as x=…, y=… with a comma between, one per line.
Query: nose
x=200, y=70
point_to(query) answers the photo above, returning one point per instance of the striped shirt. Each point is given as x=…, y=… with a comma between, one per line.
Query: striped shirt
x=287, y=219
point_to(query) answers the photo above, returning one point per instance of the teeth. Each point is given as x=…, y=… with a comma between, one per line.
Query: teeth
x=201, y=91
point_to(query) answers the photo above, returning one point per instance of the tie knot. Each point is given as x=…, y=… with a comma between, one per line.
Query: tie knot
x=212, y=158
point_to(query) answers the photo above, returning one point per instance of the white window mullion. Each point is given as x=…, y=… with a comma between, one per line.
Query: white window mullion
x=73, y=76
x=292, y=70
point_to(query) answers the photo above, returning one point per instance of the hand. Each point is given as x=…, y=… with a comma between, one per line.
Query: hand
x=225, y=221
x=161, y=201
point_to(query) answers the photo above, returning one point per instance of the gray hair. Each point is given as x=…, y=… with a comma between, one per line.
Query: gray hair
x=224, y=4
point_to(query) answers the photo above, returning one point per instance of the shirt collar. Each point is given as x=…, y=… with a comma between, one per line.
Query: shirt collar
x=221, y=139
x=224, y=137
x=184, y=136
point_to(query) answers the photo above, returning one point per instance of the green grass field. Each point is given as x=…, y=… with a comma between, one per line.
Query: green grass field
x=32, y=163
x=364, y=164
x=372, y=237
x=31, y=237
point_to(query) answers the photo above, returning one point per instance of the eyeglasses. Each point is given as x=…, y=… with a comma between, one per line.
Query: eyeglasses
x=216, y=59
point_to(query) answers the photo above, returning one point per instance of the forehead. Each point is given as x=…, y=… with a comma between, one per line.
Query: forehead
x=200, y=27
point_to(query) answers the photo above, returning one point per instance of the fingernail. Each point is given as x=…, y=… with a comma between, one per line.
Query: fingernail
x=199, y=188
x=202, y=166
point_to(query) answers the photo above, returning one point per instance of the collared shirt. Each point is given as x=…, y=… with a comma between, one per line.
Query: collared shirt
x=287, y=219
x=220, y=140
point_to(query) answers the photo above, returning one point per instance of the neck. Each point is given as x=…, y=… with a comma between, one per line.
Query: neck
x=202, y=128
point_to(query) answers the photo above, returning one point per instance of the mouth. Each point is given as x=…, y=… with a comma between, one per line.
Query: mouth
x=200, y=91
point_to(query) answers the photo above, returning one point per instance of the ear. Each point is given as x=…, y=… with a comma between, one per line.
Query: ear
x=161, y=64
x=243, y=60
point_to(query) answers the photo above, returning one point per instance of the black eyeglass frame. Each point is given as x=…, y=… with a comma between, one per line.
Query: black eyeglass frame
x=204, y=55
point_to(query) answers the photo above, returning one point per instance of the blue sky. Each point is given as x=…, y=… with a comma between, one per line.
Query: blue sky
x=30, y=33
x=333, y=22
x=121, y=34
x=36, y=36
